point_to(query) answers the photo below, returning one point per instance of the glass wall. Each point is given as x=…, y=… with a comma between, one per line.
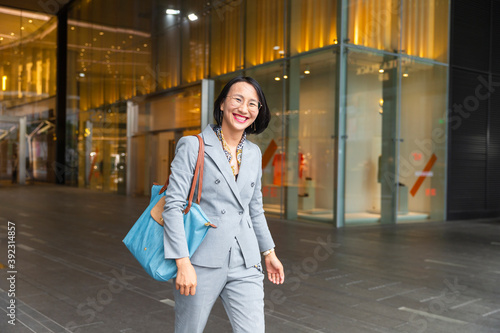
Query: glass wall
x=134, y=88
x=28, y=88
x=422, y=151
x=371, y=105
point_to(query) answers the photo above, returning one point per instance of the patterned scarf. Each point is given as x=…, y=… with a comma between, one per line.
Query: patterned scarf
x=227, y=151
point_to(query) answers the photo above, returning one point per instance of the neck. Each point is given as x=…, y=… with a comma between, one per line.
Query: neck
x=232, y=138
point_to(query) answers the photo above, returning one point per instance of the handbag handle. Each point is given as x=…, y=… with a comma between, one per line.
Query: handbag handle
x=198, y=171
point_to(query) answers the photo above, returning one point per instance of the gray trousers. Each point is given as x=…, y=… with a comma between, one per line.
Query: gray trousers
x=241, y=290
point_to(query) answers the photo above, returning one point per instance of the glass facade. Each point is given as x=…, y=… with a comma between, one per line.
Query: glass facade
x=28, y=89
x=374, y=70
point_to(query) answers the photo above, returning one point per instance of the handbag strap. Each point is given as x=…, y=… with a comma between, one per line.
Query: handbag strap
x=198, y=171
x=202, y=149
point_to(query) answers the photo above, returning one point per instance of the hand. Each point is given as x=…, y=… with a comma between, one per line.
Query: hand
x=274, y=269
x=185, y=281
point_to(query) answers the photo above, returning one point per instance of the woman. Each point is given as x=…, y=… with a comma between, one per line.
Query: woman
x=227, y=263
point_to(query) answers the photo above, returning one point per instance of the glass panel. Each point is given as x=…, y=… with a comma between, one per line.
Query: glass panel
x=264, y=31
x=422, y=154
x=375, y=23
x=109, y=59
x=27, y=57
x=271, y=140
x=180, y=110
x=425, y=29
x=227, y=41
x=370, y=146
x=314, y=24
x=103, y=148
x=194, y=41
x=28, y=87
x=311, y=130
x=166, y=49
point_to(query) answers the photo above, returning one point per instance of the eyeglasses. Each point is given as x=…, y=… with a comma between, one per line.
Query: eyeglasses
x=237, y=101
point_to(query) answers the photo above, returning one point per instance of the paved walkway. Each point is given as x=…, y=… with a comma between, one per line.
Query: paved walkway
x=75, y=275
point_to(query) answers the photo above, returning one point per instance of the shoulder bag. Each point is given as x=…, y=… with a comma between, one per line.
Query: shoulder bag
x=145, y=238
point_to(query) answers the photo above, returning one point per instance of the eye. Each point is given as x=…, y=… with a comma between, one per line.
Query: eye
x=253, y=104
x=237, y=99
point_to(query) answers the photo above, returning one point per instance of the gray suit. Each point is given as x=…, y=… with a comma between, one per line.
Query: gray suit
x=225, y=260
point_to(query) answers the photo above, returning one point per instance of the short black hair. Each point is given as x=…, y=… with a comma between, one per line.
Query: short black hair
x=264, y=116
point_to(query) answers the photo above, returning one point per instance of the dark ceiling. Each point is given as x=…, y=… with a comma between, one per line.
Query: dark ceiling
x=41, y=6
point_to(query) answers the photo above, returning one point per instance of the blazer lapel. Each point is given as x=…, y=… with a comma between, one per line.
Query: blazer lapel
x=247, y=162
x=213, y=148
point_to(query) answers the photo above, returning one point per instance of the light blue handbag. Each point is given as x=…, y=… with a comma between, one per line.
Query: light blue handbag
x=145, y=239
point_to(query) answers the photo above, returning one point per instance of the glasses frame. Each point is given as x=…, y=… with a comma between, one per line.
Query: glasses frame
x=236, y=104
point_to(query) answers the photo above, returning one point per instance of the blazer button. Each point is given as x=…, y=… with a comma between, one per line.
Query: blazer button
x=241, y=213
x=223, y=211
x=253, y=184
x=217, y=181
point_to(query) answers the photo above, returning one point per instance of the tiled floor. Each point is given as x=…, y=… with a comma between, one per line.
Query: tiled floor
x=75, y=275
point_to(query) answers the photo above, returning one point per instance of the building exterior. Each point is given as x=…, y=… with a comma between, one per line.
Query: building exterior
x=359, y=92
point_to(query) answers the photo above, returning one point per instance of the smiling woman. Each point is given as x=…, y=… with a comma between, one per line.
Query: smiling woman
x=230, y=255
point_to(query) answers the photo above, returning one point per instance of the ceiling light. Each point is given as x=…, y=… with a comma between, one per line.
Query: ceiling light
x=12, y=34
x=381, y=71
x=22, y=28
x=72, y=28
x=30, y=21
x=192, y=17
x=101, y=33
x=82, y=74
x=307, y=72
x=173, y=12
x=277, y=78
x=285, y=77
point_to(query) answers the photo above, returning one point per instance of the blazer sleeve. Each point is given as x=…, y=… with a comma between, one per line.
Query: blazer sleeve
x=179, y=184
x=256, y=210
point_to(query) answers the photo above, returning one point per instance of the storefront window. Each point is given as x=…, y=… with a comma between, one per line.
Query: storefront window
x=422, y=151
x=370, y=174
x=310, y=140
x=271, y=141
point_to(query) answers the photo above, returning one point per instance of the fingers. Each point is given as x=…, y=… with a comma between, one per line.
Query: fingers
x=186, y=290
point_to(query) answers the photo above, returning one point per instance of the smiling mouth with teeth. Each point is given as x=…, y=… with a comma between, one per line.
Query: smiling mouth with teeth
x=239, y=118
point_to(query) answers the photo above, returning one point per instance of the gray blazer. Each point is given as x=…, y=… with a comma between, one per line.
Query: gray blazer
x=235, y=207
